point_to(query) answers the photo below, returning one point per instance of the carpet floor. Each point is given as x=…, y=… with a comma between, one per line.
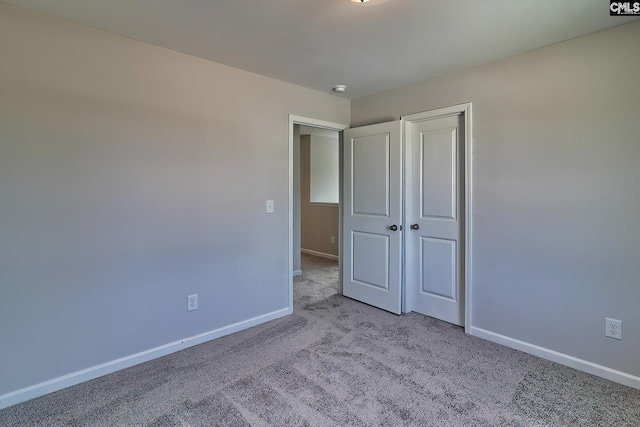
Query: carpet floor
x=337, y=362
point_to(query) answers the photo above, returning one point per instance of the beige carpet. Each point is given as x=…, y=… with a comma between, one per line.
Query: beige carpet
x=336, y=362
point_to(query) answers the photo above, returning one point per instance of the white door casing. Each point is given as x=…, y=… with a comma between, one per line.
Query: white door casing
x=372, y=228
x=435, y=215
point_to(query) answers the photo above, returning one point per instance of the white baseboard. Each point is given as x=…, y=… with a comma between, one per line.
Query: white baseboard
x=561, y=358
x=320, y=254
x=297, y=273
x=74, y=378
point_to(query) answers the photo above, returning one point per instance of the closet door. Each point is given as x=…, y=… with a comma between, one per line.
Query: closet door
x=435, y=217
x=372, y=231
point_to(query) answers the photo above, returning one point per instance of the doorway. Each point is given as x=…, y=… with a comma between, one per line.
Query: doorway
x=322, y=130
x=319, y=191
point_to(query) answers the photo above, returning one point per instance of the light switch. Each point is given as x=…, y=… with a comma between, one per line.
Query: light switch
x=270, y=207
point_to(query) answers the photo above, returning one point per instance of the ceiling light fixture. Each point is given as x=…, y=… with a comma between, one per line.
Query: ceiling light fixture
x=341, y=88
x=359, y=1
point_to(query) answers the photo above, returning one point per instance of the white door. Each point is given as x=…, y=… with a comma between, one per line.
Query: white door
x=435, y=217
x=372, y=231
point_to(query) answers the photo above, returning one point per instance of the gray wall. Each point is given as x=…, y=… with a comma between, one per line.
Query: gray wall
x=130, y=177
x=556, y=194
x=319, y=222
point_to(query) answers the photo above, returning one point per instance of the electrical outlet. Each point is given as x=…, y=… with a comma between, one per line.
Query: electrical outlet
x=333, y=240
x=613, y=328
x=192, y=302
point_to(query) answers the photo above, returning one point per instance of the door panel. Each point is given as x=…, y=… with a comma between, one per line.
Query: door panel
x=438, y=166
x=439, y=273
x=435, y=258
x=372, y=204
x=367, y=247
x=370, y=159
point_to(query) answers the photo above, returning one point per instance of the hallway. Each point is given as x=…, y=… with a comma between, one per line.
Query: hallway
x=319, y=280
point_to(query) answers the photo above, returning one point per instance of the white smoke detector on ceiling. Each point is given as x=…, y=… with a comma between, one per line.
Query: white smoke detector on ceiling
x=341, y=88
x=359, y=1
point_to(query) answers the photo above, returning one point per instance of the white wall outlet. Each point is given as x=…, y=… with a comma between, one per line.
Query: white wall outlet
x=270, y=206
x=333, y=240
x=613, y=328
x=192, y=302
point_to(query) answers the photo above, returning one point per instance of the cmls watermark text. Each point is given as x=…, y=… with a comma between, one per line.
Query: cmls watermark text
x=619, y=8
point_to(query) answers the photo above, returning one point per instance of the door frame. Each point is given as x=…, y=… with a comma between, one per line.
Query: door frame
x=466, y=271
x=339, y=127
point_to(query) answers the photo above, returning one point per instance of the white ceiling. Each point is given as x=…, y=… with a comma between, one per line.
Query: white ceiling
x=320, y=43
